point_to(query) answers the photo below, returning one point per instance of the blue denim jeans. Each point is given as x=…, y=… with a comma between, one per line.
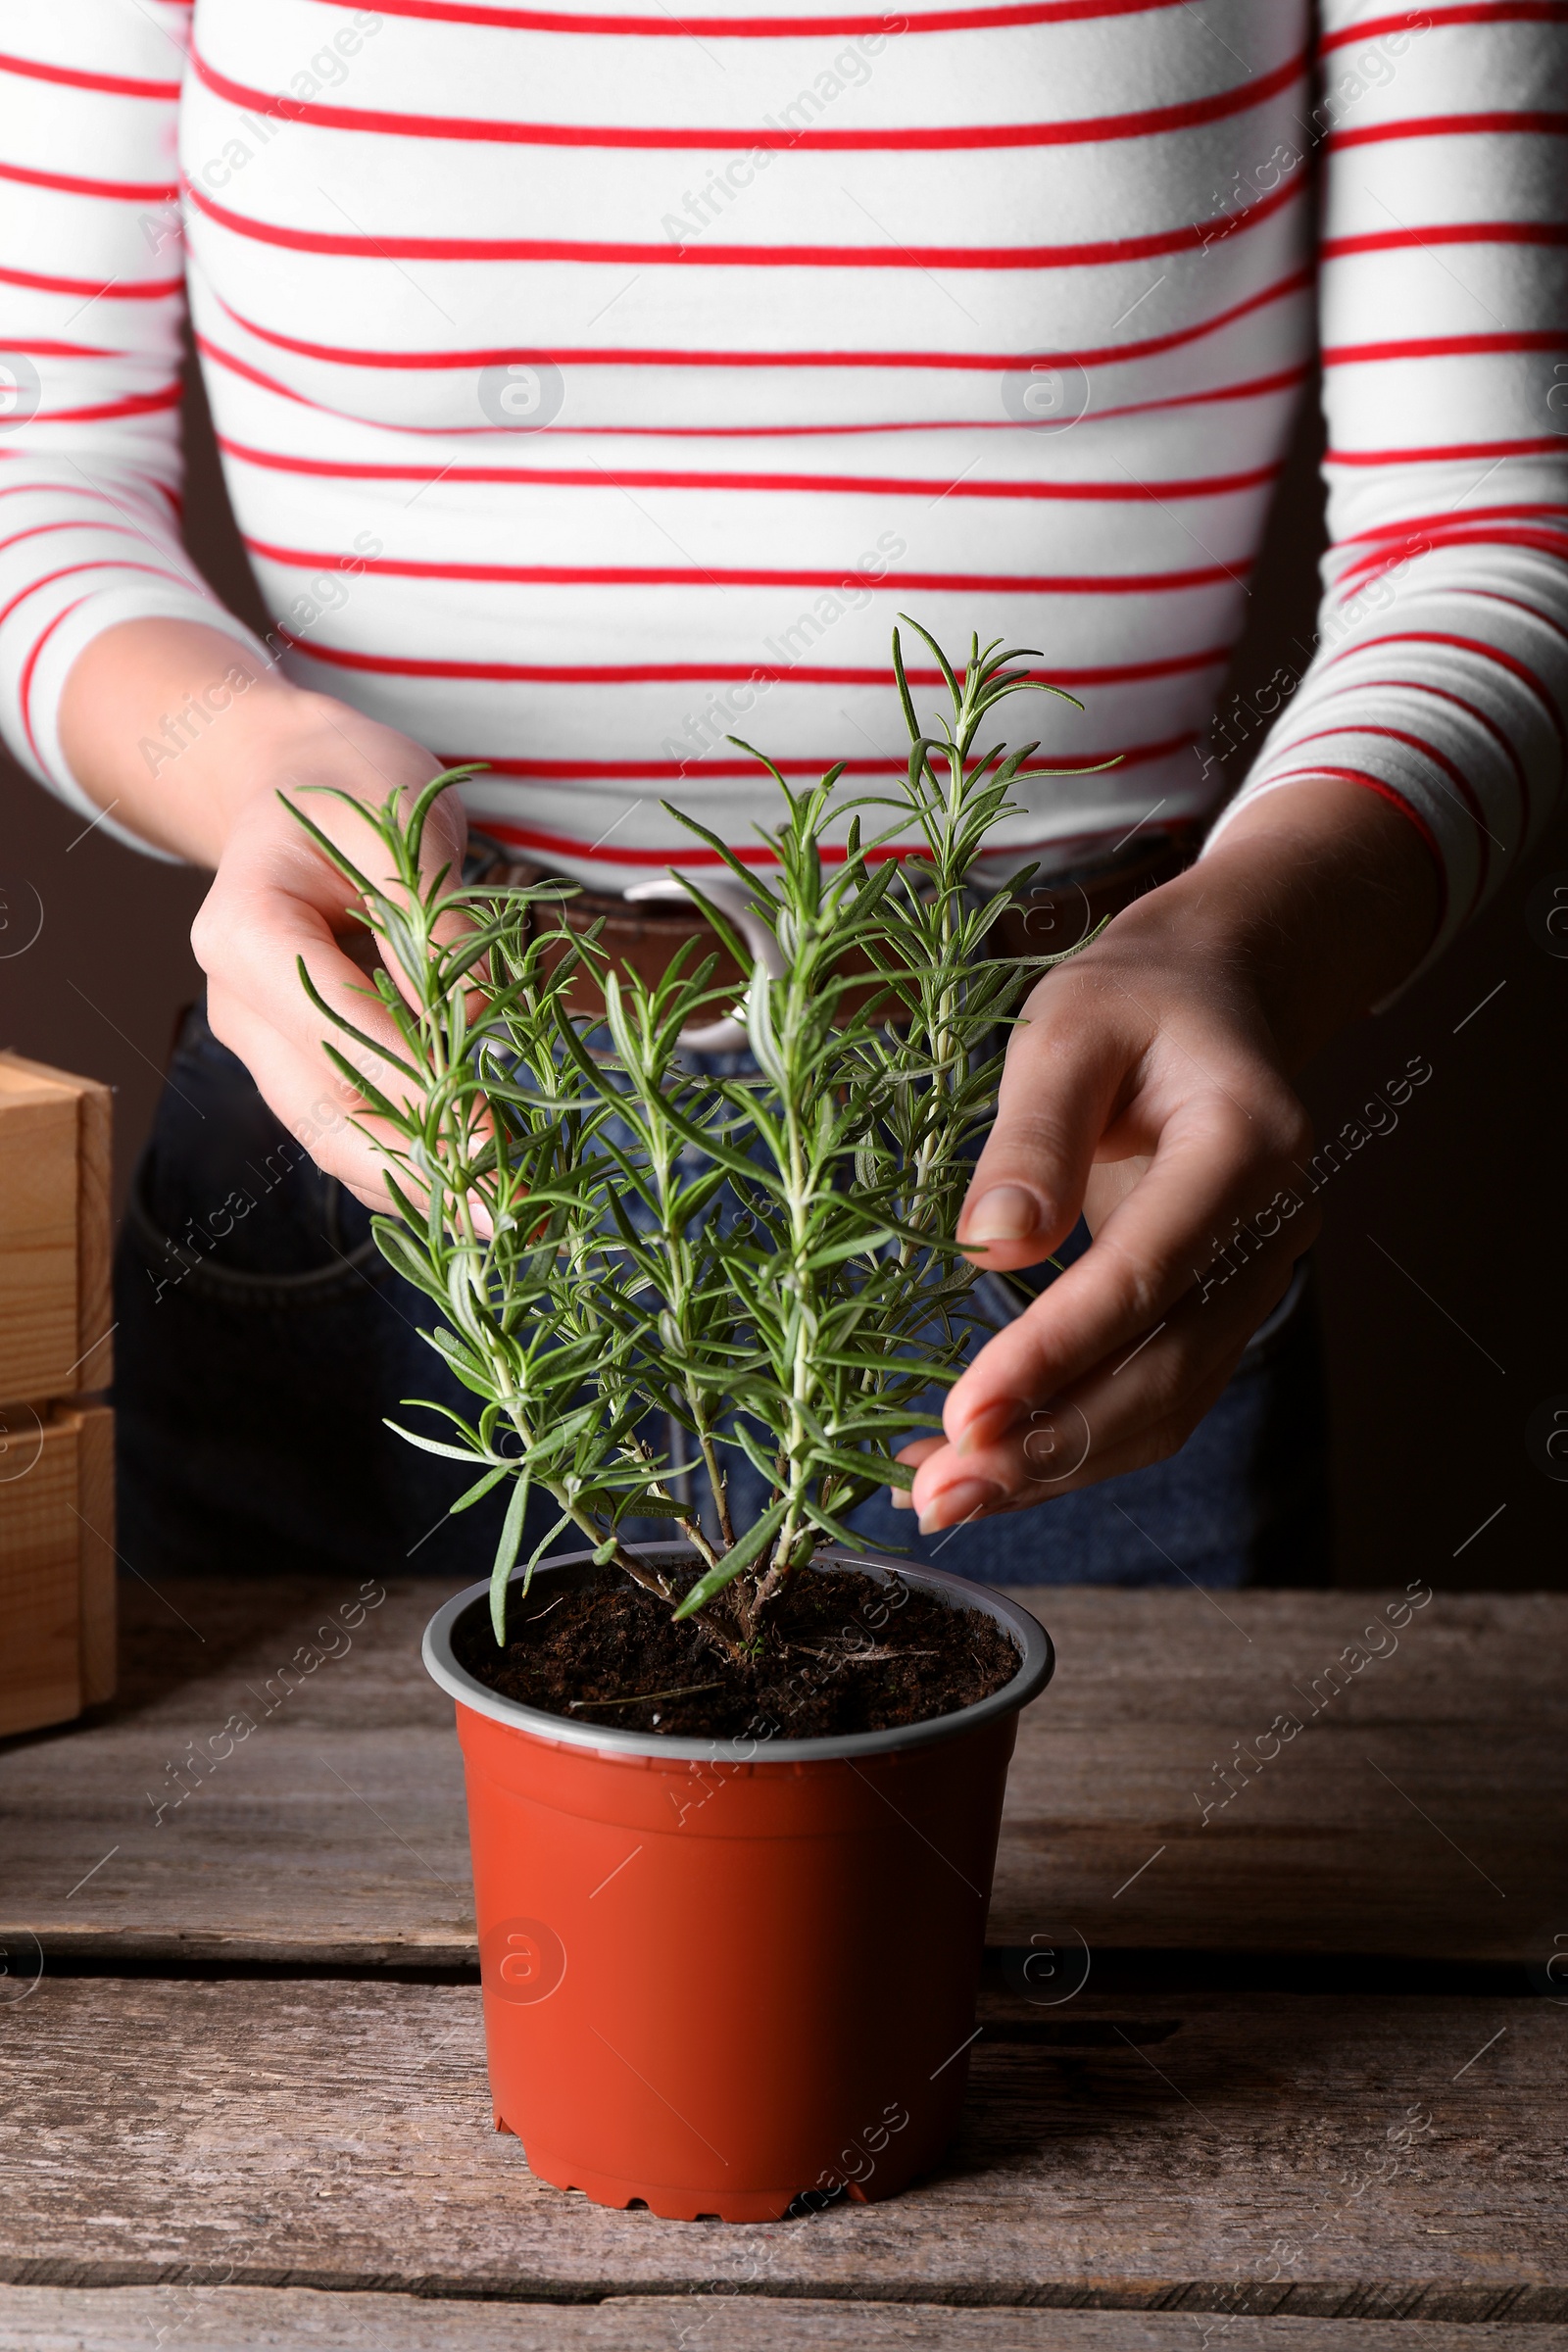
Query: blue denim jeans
x=263, y=1341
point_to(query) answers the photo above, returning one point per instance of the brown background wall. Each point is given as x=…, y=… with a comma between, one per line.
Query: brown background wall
x=1443, y=1265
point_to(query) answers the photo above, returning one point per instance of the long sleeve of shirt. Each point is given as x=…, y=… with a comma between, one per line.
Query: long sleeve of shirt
x=1440, y=674
x=92, y=300
x=595, y=388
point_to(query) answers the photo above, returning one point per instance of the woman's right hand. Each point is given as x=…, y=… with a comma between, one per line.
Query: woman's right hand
x=275, y=898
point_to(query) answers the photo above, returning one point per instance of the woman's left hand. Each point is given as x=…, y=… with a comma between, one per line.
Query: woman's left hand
x=1149, y=1088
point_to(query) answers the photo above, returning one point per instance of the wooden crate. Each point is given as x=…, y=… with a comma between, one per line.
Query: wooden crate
x=54, y=1312
x=57, y=1496
x=57, y=1562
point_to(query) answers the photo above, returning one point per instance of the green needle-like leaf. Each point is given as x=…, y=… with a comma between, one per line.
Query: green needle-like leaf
x=507, y=1551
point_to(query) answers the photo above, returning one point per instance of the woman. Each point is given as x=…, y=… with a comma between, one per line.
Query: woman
x=592, y=388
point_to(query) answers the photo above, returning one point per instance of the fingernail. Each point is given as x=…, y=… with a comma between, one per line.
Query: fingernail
x=961, y=1500
x=902, y=1500
x=1007, y=1213
x=990, y=1424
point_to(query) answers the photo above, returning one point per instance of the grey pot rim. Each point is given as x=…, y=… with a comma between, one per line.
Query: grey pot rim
x=1037, y=1662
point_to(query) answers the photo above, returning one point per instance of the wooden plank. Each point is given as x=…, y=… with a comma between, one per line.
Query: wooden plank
x=1394, y=2158
x=40, y=1571
x=58, y=1592
x=56, y=1243
x=277, y=1777
x=39, y=1125
x=333, y=1830
x=1408, y=1814
x=45, y=2319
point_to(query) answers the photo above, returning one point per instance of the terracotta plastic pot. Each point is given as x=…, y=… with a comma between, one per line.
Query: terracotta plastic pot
x=721, y=1974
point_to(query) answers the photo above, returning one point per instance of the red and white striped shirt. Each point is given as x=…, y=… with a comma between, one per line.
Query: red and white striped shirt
x=593, y=387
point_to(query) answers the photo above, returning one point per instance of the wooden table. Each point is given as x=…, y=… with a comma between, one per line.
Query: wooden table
x=1283, y=2072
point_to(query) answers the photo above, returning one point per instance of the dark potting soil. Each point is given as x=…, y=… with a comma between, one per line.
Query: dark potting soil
x=843, y=1653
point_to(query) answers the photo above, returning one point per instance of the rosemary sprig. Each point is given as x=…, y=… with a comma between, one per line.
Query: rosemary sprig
x=609, y=1234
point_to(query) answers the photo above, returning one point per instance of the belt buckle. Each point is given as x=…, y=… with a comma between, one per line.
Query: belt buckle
x=731, y=897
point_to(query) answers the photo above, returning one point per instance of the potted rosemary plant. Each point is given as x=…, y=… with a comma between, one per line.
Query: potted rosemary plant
x=700, y=1302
